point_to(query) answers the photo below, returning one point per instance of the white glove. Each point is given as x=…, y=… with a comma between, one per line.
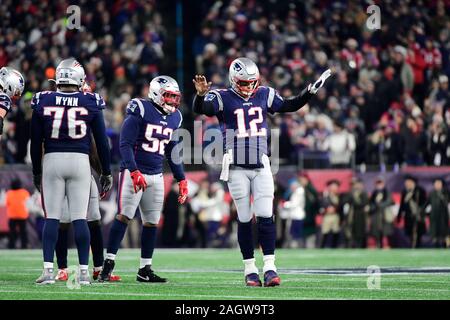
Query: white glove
x=313, y=88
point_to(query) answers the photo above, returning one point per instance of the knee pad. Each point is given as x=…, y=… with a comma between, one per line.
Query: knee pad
x=151, y=217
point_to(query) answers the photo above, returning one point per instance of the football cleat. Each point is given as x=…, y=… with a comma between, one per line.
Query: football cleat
x=146, y=274
x=112, y=277
x=62, y=275
x=271, y=279
x=252, y=280
x=105, y=274
x=84, y=278
x=46, y=277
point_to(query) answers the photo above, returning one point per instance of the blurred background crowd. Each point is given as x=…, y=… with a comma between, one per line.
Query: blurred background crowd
x=386, y=106
x=305, y=217
x=390, y=85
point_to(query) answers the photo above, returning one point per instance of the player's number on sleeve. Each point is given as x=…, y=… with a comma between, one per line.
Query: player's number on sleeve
x=72, y=123
x=156, y=145
x=243, y=132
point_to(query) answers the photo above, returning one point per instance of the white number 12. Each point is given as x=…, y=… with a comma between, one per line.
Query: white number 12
x=254, y=131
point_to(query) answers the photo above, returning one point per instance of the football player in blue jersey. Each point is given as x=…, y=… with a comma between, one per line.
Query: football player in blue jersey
x=145, y=140
x=242, y=111
x=62, y=122
x=94, y=223
x=11, y=88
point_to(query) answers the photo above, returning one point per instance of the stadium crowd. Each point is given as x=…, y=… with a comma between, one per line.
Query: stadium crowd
x=390, y=86
x=305, y=217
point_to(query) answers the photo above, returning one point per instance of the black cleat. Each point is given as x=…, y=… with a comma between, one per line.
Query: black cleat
x=108, y=267
x=146, y=274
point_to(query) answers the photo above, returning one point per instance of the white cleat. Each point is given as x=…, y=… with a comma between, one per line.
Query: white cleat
x=84, y=278
x=46, y=277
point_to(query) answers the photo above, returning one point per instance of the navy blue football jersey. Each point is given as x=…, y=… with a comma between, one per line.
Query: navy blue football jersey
x=145, y=138
x=66, y=119
x=5, y=102
x=243, y=122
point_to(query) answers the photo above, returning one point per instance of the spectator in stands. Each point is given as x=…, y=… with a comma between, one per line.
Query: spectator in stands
x=17, y=213
x=296, y=214
x=412, y=211
x=331, y=209
x=171, y=218
x=381, y=214
x=356, y=219
x=341, y=145
x=312, y=206
x=438, y=202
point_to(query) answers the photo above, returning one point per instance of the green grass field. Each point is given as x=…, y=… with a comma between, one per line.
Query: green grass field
x=216, y=274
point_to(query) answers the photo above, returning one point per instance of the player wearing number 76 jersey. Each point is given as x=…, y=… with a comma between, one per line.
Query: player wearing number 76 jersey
x=63, y=121
x=242, y=109
x=145, y=140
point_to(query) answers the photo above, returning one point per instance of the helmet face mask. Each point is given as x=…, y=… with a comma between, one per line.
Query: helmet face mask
x=164, y=92
x=244, y=77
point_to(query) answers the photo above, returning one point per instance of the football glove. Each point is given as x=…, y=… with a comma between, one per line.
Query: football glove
x=183, y=191
x=313, y=88
x=138, y=181
x=105, y=185
x=37, y=178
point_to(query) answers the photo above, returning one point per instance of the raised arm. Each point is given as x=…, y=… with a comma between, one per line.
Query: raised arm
x=201, y=106
x=293, y=104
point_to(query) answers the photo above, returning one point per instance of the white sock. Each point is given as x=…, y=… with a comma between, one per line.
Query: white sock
x=249, y=266
x=48, y=265
x=111, y=256
x=83, y=267
x=98, y=268
x=145, y=262
x=269, y=263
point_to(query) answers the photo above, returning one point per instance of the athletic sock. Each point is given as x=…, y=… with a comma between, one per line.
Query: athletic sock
x=249, y=266
x=49, y=239
x=148, y=241
x=116, y=235
x=145, y=262
x=267, y=235
x=62, y=246
x=95, y=231
x=82, y=240
x=269, y=263
x=245, y=239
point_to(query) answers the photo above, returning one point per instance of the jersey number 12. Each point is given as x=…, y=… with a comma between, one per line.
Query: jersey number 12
x=242, y=131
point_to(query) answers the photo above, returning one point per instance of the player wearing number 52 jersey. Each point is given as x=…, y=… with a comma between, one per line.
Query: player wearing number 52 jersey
x=145, y=140
x=62, y=122
x=242, y=109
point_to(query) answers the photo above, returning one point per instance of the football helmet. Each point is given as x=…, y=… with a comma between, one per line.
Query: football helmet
x=11, y=82
x=70, y=72
x=244, y=76
x=164, y=91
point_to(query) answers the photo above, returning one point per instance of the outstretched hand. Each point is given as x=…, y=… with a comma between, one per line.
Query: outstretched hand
x=313, y=88
x=201, y=85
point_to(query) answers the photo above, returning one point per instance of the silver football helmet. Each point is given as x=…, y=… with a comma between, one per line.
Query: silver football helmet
x=70, y=71
x=11, y=82
x=244, y=76
x=164, y=91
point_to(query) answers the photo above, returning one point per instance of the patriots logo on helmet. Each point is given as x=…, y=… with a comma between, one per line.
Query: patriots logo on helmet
x=237, y=67
x=162, y=80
